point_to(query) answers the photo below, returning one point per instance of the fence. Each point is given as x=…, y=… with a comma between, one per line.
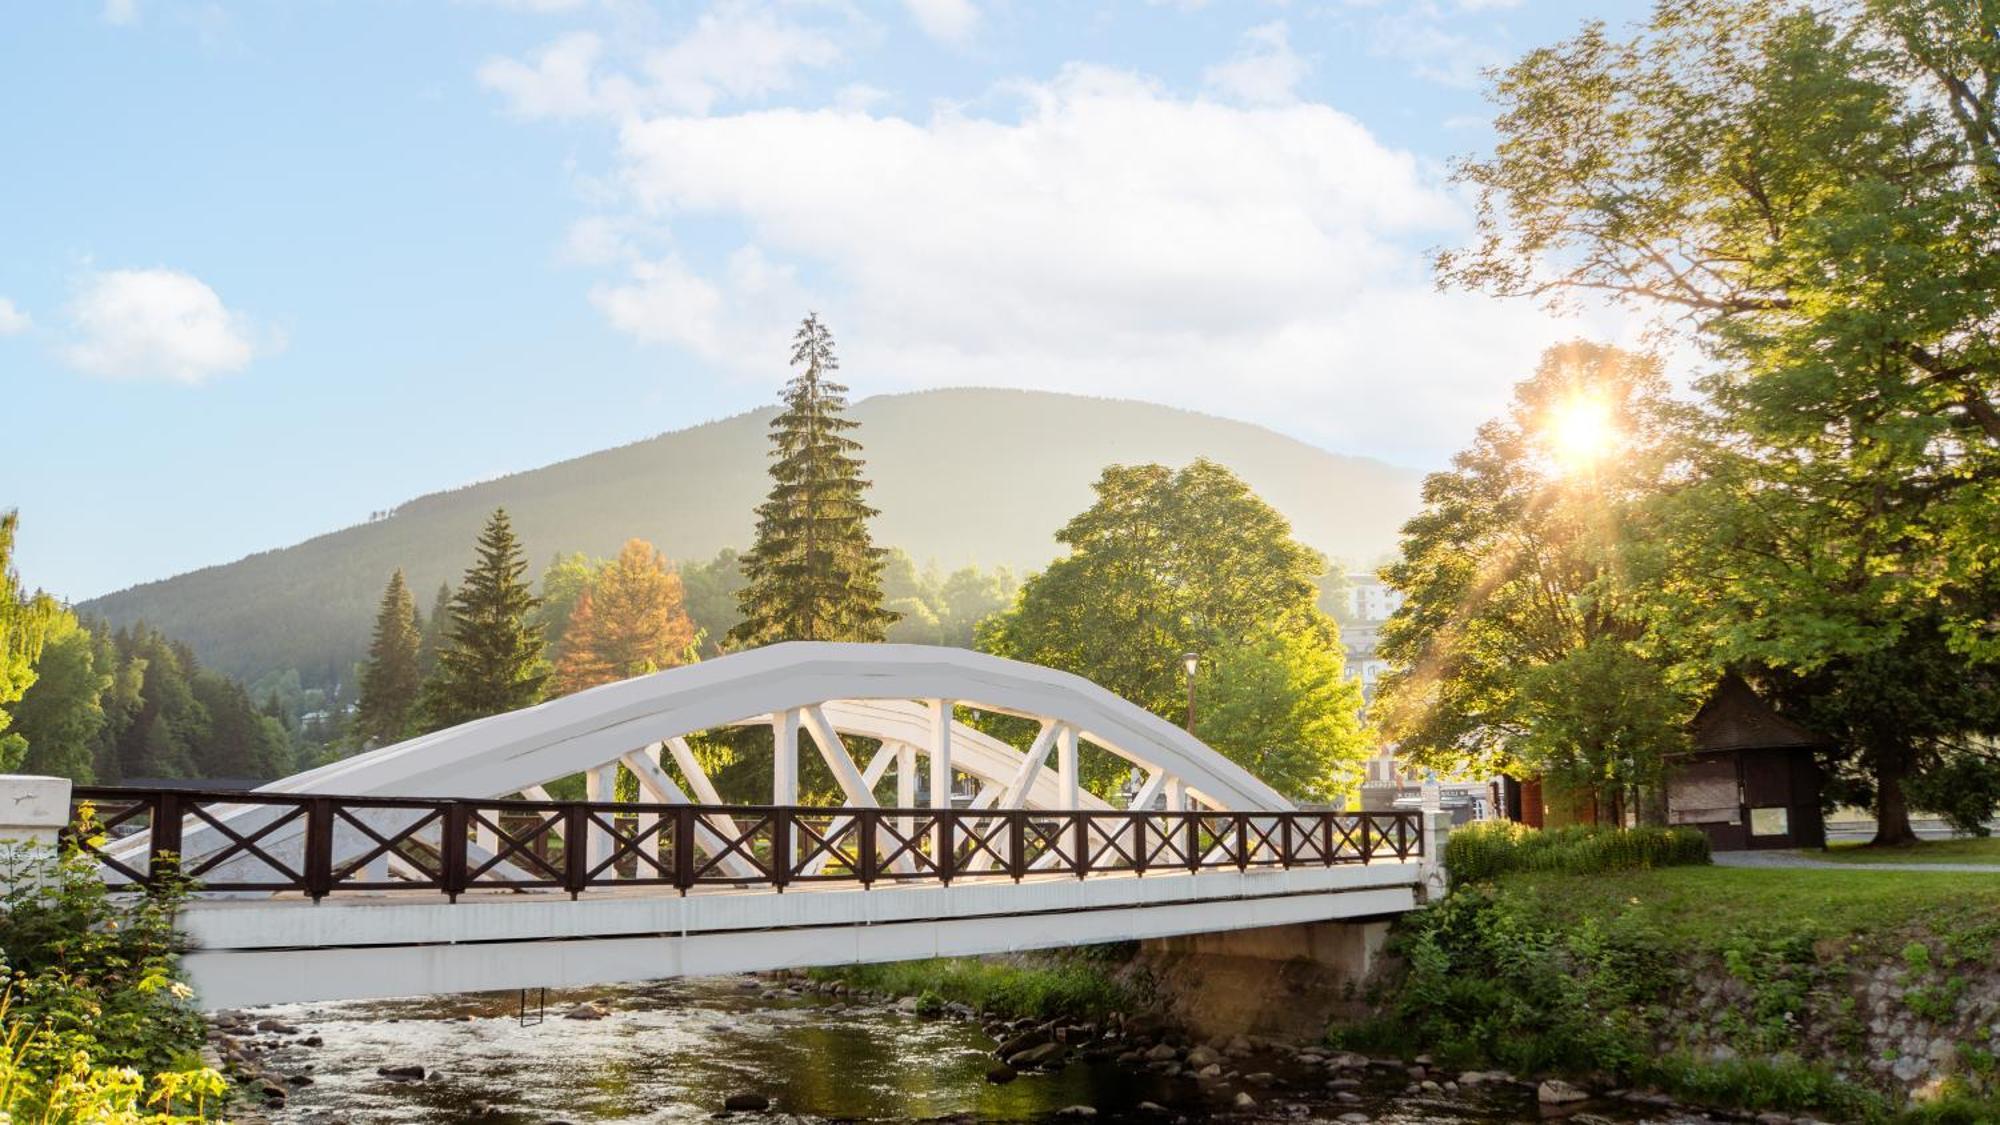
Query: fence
x=321, y=845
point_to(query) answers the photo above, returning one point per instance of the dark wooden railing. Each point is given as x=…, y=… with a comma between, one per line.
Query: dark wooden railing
x=319, y=845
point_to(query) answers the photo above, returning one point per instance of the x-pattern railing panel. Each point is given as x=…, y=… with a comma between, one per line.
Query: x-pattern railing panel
x=316, y=845
x=907, y=847
x=241, y=847
x=529, y=846
x=421, y=861
x=756, y=840
x=830, y=846
x=114, y=819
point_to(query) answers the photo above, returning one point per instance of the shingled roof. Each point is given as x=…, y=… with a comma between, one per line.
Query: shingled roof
x=1737, y=718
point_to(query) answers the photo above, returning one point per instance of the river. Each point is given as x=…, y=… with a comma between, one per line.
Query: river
x=673, y=1051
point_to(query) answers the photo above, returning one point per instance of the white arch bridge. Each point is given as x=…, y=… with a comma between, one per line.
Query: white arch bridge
x=443, y=864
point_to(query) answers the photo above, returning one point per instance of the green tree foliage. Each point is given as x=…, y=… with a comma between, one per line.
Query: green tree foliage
x=933, y=608
x=711, y=592
x=567, y=576
x=24, y=623
x=629, y=620
x=160, y=715
x=813, y=574
x=61, y=715
x=1913, y=724
x=492, y=659
x=434, y=627
x=1282, y=706
x=238, y=740
x=1813, y=189
x=1167, y=562
x=1521, y=644
x=393, y=679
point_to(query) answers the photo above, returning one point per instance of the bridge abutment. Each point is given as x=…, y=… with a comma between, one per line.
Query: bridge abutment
x=1282, y=982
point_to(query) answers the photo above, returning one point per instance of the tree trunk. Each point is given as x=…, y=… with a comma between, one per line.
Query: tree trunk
x=1892, y=807
x=1652, y=805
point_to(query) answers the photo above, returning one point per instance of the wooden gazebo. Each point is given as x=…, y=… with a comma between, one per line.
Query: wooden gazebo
x=1751, y=780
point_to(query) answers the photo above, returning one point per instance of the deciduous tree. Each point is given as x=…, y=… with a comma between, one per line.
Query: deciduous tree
x=1521, y=644
x=1166, y=562
x=629, y=620
x=60, y=715
x=1812, y=190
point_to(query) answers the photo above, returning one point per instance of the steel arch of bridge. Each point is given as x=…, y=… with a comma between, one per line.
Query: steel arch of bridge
x=810, y=694
x=900, y=695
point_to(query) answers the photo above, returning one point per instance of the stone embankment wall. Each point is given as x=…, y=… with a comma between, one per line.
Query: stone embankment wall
x=1907, y=1022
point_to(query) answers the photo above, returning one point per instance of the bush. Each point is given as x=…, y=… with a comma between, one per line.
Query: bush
x=93, y=1002
x=1483, y=851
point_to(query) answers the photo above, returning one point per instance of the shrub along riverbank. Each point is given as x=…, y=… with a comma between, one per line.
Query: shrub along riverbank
x=1074, y=984
x=1855, y=995
x=95, y=1026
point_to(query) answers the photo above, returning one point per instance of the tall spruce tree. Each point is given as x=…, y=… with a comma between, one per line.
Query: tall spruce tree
x=393, y=679
x=492, y=658
x=814, y=574
x=434, y=626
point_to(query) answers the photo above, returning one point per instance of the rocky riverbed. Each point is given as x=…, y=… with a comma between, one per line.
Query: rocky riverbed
x=780, y=1048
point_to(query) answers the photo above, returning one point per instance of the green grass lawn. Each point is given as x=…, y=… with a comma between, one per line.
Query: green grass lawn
x=1701, y=908
x=1970, y=849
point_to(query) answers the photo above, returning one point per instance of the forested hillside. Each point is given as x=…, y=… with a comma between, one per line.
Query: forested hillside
x=961, y=476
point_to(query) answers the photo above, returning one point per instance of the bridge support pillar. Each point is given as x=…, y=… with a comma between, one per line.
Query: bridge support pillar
x=1283, y=982
x=32, y=811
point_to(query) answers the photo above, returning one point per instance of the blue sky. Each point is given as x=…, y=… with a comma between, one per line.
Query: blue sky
x=266, y=268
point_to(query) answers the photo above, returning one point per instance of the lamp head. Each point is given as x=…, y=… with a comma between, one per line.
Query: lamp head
x=1191, y=661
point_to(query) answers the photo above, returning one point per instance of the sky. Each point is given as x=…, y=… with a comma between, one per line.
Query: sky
x=268, y=268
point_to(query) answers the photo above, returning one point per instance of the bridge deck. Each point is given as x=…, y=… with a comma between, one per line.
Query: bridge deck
x=406, y=943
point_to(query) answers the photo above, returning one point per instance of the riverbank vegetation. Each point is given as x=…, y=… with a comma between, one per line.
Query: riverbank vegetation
x=1795, y=989
x=1484, y=850
x=95, y=1026
x=1076, y=984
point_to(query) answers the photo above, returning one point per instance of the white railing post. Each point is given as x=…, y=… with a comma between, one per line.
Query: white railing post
x=32, y=811
x=1436, y=826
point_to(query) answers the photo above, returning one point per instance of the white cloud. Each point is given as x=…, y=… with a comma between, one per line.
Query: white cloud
x=121, y=13
x=1264, y=71
x=160, y=324
x=1422, y=35
x=733, y=52
x=1105, y=236
x=13, y=321
x=947, y=21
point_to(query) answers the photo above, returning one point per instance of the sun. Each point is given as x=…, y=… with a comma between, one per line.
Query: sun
x=1581, y=431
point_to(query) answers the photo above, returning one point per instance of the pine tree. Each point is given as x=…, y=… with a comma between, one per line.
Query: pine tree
x=629, y=620
x=814, y=575
x=393, y=679
x=491, y=660
x=434, y=626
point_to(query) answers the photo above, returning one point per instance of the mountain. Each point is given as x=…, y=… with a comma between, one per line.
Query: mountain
x=961, y=476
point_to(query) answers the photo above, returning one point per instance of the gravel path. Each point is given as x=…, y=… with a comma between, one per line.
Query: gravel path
x=1807, y=859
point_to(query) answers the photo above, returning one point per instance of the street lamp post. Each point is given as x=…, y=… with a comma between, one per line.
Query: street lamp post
x=1192, y=662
